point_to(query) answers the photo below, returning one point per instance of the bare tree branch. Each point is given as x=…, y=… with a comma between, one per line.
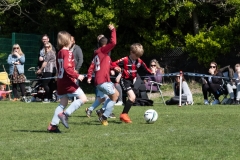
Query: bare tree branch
x=8, y=4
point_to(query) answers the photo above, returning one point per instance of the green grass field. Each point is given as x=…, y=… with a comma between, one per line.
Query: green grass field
x=187, y=132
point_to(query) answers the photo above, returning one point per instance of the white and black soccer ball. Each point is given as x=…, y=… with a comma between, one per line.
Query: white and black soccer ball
x=150, y=116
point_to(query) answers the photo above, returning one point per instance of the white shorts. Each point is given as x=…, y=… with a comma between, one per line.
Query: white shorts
x=77, y=93
x=106, y=88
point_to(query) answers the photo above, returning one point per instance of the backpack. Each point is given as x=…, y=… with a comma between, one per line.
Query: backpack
x=143, y=102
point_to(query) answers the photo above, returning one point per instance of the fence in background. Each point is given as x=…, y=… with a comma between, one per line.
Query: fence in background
x=30, y=45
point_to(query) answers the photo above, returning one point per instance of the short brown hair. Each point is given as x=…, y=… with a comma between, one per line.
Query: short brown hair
x=137, y=49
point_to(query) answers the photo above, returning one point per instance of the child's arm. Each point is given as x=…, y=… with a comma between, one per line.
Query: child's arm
x=90, y=71
x=67, y=66
x=113, y=40
x=119, y=63
x=144, y=66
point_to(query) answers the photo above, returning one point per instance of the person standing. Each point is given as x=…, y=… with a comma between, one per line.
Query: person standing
x=78, y=55
x=16, y=62
x=66, y=83
x=48, y=71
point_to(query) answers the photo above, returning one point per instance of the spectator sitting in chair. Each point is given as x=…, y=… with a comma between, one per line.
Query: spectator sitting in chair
x=212, y=84
x=234, y=84
x=186, y=97
x=156, y=77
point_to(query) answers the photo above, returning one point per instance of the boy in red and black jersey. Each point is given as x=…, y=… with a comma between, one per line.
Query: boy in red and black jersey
x=130, y=65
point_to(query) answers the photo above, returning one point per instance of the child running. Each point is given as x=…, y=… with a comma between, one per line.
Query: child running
x=102, y=63
x=130, y=65
x=66, y=86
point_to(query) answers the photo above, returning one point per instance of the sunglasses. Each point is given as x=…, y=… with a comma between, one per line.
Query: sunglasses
x=47, y=46
x=212, y=66
x=16, y=48
x=153, y=65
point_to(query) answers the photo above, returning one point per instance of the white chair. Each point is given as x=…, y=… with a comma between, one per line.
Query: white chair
x=158, y=86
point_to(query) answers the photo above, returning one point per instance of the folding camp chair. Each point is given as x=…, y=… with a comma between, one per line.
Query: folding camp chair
x=159, y=89
x=228, y=73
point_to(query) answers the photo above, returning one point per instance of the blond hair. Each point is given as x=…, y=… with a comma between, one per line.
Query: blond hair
x=19, y=51
x=63, y=39
x=137, y=49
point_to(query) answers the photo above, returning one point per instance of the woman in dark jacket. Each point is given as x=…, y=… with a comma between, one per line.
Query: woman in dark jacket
x=212, y=84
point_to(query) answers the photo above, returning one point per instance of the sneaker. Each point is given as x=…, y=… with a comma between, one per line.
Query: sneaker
x=64, y=118
x=125, y=118
x=112, y=115
x=53, y=129
x=88, y=112
x=99, y=113
x=104, y=122
x=46, y=100
x=119, y=103
x=206, y=102
x=215, y=102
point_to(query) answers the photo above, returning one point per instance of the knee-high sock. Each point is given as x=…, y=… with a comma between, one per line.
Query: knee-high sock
x=95, y=104
x=127, y=106
x=55, y=119
x=73, y=107
x=109, y=104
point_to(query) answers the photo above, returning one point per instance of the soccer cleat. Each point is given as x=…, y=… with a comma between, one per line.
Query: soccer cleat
x=104, y=122
x=64, y=118
x=99, y=113
x=53, y=129
x=125, y=118
x=88, y=112
x=112, y=115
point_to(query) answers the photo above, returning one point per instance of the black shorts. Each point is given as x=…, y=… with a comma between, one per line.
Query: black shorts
x=126, y=84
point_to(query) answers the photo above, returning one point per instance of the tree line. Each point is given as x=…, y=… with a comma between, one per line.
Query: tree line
x=205, y=29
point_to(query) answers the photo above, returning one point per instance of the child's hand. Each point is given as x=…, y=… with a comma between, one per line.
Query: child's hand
x=81, y=77
x=89, y=81
x=110, y=26
x=118, y=69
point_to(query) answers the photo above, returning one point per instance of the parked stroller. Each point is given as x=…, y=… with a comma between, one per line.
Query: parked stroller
x=35, y=91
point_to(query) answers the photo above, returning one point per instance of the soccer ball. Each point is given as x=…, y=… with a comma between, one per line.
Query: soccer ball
x=150, y=116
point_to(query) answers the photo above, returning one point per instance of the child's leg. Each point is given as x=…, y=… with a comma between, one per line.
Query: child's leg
x=59, y=109
x=129, y=102
x=77, y=103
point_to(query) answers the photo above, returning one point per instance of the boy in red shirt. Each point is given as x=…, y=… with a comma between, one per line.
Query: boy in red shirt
x=130, y=65
x=102, y=63
x=66, y=83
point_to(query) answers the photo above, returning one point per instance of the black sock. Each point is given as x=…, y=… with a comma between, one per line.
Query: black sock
x=127, y=106
x=101, y=110
x=104, y=118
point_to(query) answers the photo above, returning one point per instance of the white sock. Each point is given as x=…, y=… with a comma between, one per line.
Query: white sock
x=73, y=106
x=55, y=119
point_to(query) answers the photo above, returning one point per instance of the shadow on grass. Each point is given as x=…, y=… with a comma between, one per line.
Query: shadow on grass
x=32, y=131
